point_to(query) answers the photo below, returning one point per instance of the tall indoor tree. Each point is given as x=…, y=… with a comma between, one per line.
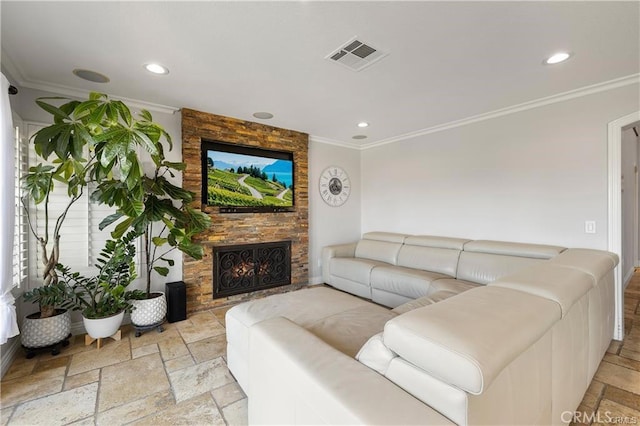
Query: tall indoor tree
x=90, y=140
x=166, y=221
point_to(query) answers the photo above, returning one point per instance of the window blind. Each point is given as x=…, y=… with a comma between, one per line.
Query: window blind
x=21, y=227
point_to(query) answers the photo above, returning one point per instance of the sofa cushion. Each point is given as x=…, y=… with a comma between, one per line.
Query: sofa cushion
x=390, y=237
x=482, y=268
x=420, y=302
x=537, y=251
x=441, y=260
x=436, y=242
x=451, y=285
x=305, y=307
x=561, y=284
x=358, y=270
x=448, y=341
x=381, y=251
x=375, y=355
x=348, y=330
x=594, y=262
x=408, y=282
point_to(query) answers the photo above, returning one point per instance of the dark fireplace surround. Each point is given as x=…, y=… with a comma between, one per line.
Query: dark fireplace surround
x=245, y=268
x=242, y=229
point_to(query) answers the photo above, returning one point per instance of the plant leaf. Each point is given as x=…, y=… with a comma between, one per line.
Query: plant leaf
x=109, y=220
x=162, y=270
x=53, y=110
x=171, y=262
x=159, y=241
x=121, y=228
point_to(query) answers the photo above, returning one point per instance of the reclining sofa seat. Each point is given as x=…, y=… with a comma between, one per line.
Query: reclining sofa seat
x=522, y=348
x=393, y=269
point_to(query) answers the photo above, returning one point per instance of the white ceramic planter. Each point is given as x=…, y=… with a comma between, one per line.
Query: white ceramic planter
x=43, y=332
x=149, y=311
x=103, y=327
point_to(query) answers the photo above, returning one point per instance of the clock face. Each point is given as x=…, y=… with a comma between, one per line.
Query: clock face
x=335, y=186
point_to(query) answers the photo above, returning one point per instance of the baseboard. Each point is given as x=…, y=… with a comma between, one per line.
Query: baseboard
x=315, y=280
x=9, y=353
x=628, y=276
x=77, y=328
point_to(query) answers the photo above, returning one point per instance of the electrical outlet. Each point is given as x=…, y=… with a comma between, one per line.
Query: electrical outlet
x=590, y=227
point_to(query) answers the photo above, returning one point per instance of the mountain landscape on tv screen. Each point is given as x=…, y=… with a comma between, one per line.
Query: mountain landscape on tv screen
x=243, y=180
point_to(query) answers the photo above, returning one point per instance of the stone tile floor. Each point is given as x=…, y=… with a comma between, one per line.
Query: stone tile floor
x=180, y=377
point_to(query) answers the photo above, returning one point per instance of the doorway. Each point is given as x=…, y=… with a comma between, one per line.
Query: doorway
x=615, y=227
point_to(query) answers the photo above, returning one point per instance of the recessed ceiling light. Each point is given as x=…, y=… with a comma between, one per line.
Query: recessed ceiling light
x=89, y=75
x=359, y=137
x=363, y=124
x=263, y=115
x=156, y=68
x=557, y=58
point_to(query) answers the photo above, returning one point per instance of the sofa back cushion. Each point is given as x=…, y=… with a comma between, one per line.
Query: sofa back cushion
x=467, y=340
x=381, y=246
x=561, y=284
x=485, y=261
x=436, y=254
x=483, y=268
x=535, y=251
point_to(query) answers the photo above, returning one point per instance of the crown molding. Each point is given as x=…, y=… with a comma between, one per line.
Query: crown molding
x=11, y=70
x=560, y=97
x=327, y=141
x=21, y=80
x=80, y=93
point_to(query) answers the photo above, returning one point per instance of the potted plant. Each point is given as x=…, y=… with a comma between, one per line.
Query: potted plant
x=50, y=331
x=166, y=223
x=89, y=141
x=103, y=298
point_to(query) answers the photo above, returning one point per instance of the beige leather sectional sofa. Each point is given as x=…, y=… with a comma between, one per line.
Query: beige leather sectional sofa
x=482, y=332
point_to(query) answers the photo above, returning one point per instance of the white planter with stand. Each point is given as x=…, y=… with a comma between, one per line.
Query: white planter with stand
x=149, y=313
x=40, y=333
x=103, y=327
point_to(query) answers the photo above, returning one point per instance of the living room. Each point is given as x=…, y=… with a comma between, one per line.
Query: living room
x=468, y=134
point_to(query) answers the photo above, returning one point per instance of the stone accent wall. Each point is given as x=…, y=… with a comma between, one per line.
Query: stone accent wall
x=242, y=228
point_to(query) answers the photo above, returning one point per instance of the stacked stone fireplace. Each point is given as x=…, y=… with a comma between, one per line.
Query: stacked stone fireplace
x=244, y=229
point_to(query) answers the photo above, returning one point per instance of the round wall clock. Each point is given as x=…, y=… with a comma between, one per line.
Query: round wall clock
x=335, y=186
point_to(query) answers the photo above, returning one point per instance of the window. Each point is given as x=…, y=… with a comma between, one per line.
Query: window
x=80, y=239
x=21, y=227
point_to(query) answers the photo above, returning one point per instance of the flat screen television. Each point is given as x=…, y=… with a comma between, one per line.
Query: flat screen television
x=240, y=179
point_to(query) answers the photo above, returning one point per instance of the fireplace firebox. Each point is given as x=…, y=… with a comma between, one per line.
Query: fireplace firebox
x=244, y=268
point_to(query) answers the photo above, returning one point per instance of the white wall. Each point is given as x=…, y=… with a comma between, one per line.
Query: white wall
x=331, y=225
x=532, y=176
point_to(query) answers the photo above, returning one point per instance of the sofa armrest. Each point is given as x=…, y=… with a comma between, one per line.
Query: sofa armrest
x=296, y=378
x=339, y=250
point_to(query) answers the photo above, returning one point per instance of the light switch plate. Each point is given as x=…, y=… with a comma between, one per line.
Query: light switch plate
x=590, y=226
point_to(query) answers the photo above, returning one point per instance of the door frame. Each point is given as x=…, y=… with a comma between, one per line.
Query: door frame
x=614, y=147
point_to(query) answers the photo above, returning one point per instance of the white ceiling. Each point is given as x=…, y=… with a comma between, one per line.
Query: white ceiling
x=447, y=60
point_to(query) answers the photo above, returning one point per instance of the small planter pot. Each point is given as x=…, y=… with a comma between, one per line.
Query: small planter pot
x=149, y=312
x=103, y=327
x=43, y=332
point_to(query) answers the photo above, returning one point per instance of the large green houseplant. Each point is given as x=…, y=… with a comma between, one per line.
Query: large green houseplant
x=88, y=141
x=104, y=295
x=166, y=223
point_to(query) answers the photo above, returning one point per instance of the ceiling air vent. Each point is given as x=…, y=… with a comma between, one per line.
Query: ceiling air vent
x=356, y=55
